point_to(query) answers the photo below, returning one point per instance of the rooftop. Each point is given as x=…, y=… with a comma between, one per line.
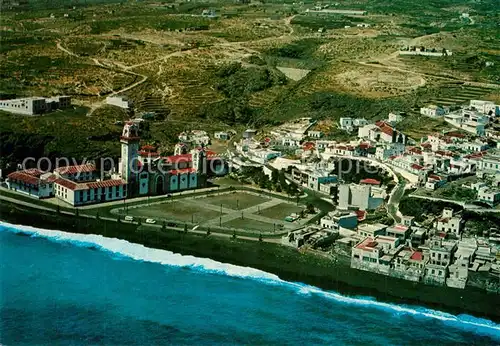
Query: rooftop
x=75, y=169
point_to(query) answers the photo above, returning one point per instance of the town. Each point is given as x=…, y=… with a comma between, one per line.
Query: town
x=438, y=251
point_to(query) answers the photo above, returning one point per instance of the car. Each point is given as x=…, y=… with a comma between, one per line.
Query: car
x=129, y=218
x=171, y=224
x=150, y=221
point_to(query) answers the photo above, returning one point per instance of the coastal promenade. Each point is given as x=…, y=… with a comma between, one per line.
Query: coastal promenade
x=24, y=202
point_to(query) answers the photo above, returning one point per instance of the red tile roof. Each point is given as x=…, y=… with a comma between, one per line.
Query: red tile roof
x=182, y=171
x=179, y=158
x=417, y=256
x=367, y=245
x=369, y=181
x=90, y=185
x=417, y=167
x=75, y=169
x=66, y=183
x=415, y=151
x=24, y=177
x=105, y=183
x=385, y=128
x=361, y=214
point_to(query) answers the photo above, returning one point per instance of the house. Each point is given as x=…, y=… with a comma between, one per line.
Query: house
x=432, y=111
x=359, y=122
x=249, y=133
x=440, y=257
x=314, y=134
x=386, y=151
x=119, y=101
x=418, y=237
x=434, y=182
x=81, y=193
x=32, y=182
x=373, y=254
x=395, y=118
x=368, y=132
x=222, y=136
x=489, y=196
x=371, y=230
x=449, y=223
x=346, y=124
x=401, y=232
x=409, y=265
x=485, y=107
x=336, y=219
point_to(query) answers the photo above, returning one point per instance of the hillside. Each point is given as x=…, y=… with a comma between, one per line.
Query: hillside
x=252, y=65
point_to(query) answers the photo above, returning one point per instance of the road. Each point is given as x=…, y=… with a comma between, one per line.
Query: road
x=393, y=205
x=471, y=207
x=157, y=226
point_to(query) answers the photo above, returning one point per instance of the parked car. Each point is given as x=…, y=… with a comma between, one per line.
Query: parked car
x=150, y=221
x=129, y=218
x=171, y=224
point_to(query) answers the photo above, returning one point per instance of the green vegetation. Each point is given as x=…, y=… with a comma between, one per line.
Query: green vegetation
x=235, y=200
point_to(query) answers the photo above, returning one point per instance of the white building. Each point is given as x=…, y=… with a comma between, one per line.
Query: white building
x=485, y=107
x=371, y=230
x=440, y=257
x=487, y=195
x=362, y=197
x=449, y=223
x=32, y=182
x=336, y=220
x=314, y=134
x=222, y=136
x=372, y=254
x=35, y=105
x=346, y=124
x=432, y=111
x=395, y=118
x=77, y=194
x=119, y=101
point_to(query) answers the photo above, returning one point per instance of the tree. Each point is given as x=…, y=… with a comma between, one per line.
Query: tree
x=118, y=219
x=234, y=234
x=97, y=215
x=76, y=212
x=58, y=209
x=310, y=208
x=275, y=176
x=185, y=228
x=164, y=226
x=208, y=231
x=260, y=238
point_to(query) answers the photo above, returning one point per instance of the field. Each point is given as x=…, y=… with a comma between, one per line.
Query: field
x=177, y=210
x=240, y=211
x=280, y=211
x=256, y=65
x=235, y=200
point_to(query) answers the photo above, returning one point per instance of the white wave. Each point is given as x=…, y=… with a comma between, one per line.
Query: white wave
x=141, y=253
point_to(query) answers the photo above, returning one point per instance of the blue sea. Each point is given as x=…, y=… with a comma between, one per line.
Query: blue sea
x=63, y=288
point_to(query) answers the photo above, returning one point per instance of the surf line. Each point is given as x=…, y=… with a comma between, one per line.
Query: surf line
x=142, y=253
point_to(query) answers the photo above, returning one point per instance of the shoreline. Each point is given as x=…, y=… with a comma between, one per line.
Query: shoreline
x=287, y=263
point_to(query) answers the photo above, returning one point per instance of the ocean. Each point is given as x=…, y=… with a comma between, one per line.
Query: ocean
x=60, y=288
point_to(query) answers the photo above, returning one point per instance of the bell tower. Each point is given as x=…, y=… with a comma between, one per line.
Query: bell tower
x=199, y=160
x=130, y=146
